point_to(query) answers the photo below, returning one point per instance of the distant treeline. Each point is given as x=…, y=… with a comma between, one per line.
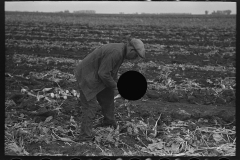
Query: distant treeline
x=118, y=15
x=221, y=12
x=91, y=20
x=84, y=12
x=168, y=13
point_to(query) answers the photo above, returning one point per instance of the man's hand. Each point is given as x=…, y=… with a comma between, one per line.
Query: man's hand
x=118, y=96
x=115, y=91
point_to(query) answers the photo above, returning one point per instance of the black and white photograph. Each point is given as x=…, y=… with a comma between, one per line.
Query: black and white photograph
x=120, y=78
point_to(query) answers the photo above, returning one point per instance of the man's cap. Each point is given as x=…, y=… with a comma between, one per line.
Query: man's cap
x=139, y=46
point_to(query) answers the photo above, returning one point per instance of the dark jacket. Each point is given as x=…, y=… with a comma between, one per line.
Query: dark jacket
x=99, y=69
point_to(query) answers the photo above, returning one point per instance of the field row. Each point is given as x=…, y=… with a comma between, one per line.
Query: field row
x=170, y=36
x=156, y=48
x=199, y=45
x=203, y=56
x=76, y=31
x=200, y=21
x=208, y=85
x=22, y=58
x=163, y=54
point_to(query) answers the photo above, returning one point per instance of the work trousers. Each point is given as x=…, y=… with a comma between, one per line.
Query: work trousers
x=105, y=99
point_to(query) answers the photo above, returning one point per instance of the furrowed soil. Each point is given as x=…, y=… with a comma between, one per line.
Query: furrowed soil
x=190, y=70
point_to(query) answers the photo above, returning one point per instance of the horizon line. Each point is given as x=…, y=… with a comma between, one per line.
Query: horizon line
x=114, y=13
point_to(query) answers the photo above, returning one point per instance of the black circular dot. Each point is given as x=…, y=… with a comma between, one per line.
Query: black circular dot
x=16, y=159
x=132, y=85
x=194, y=159
x=75, y=158
x=105, y=158
x=165, y=159
x=223, y=158
x=45, y=159
x=134, y=159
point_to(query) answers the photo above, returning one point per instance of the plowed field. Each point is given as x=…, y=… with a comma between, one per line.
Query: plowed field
x=189, y=107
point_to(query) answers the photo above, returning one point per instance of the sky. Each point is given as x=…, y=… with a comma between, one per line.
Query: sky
x=126, y=7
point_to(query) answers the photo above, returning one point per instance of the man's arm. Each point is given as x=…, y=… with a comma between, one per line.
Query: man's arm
x=115, y=78
x=104, y=72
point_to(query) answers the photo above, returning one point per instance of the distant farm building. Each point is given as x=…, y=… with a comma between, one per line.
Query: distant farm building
x=223, y=12
x=85, y=12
